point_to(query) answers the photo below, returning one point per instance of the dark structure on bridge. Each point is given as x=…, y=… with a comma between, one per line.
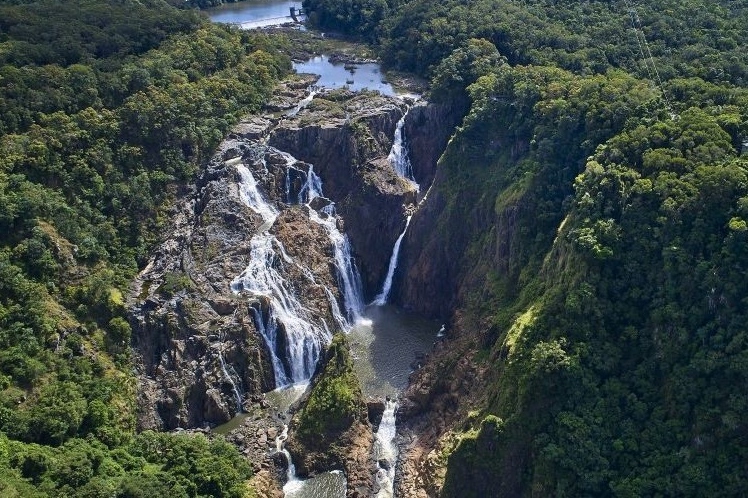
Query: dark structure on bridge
x=297, y=12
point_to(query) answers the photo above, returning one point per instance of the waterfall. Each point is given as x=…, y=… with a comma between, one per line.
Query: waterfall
x=385, y=451
x=294, y=341
x=398, y=156
x=294, y=338
x=381, y=298
x=302, y=103
x=400, y=162
x=251, y=196
x=292, y=482
x=237, y=395
x=349, y=280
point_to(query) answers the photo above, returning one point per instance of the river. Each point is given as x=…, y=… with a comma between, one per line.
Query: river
x=253, y=13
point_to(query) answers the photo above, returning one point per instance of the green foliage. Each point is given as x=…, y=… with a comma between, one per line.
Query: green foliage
x=463, y=67
x=584, y=37
x=104, y=108
x=334, y=402
x=353, y=17
x=610, y=378
x=175, y=465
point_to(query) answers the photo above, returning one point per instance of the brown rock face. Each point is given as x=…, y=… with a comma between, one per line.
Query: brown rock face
x=197, y=346
x=196, y=341
x=350, y=154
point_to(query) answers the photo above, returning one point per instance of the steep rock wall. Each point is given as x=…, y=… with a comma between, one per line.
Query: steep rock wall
x=195, y=340
x=349, y=153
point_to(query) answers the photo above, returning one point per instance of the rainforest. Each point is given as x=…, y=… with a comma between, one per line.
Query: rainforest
x=189, y=227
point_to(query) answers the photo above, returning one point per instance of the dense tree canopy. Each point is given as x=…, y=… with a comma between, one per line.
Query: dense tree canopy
x=614, y=300
x=105, y=108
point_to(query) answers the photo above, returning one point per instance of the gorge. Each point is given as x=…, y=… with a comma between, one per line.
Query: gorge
x=270, y=275
x=521, y=275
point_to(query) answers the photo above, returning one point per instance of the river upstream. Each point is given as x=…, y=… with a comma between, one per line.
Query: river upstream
x=386, y=342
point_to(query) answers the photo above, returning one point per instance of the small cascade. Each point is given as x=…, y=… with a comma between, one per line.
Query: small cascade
x=381, y=298
x=398, y=156
x=303, y=102
x=293, y=484
x=385, y=451
x=225, y=370
x=251, y=196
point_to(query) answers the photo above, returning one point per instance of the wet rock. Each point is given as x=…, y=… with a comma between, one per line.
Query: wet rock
x=223, y=306
x=216, y=409
x=319, y=203
x=375, y=410
x=272, y=433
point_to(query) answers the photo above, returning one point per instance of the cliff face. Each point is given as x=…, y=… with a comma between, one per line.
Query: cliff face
x=196, y=340
x=564, y=256
x=427, y=129
x=349, y=152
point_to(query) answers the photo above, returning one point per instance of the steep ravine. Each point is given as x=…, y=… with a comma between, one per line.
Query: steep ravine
x=186, y=317
x=200, y=356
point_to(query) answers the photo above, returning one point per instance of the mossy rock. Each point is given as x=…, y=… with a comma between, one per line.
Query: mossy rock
x=335, y=401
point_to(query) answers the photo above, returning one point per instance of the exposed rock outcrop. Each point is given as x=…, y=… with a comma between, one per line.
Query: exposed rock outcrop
x=198, y=351
x=332, y=429
x=196, y=342
x=427, y=128
x=439, y=396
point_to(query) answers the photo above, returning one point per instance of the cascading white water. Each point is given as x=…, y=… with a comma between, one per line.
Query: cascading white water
x=293, y=484
x=251, y=196
x=381, y=298
x=398, y=156
x=348, y=277
x=400, y=161
x=302, y=103
x=295, y=339
x=225, y=371
x=385, y=451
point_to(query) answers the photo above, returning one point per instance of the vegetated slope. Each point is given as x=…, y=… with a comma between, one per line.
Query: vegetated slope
x=613, y=298
x=104, y=108
x=591, y=232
